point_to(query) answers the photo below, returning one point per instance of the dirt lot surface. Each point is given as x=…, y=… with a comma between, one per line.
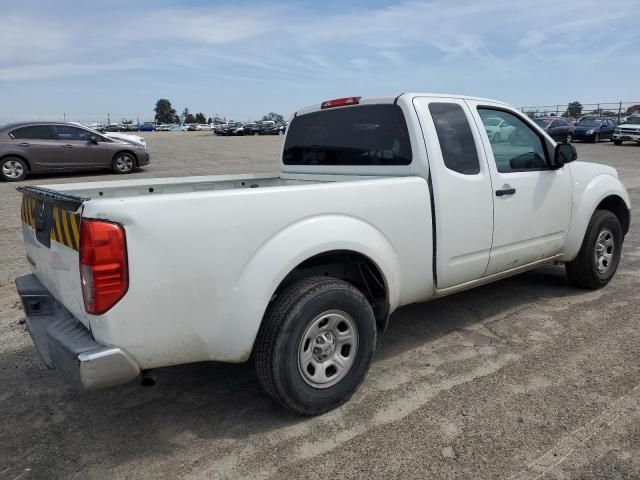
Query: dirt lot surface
x=525, y=378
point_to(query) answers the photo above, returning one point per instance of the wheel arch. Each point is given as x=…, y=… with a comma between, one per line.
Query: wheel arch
x=353, y=267
x=604, y=192
x=125, y=150
x=21, y=157
x=616, y=205
x=311, y=247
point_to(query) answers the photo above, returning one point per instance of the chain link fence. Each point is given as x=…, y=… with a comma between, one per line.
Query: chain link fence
x=618, y=110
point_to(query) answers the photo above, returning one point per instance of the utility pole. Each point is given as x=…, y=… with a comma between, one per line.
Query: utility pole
x=64, y=117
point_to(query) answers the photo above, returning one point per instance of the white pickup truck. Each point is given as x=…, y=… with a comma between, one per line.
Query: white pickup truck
x=380, y=202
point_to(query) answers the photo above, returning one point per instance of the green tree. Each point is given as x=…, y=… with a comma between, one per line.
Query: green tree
x=209, y=120
x=200, y=118
x=187, y=117
x=276, y=117
x=574, y=109
x=165, y=113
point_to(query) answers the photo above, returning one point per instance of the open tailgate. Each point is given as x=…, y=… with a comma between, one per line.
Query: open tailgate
x=51, y=231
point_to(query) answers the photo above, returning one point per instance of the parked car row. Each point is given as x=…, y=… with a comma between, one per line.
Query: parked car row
x=591, y=129
x=256, y=128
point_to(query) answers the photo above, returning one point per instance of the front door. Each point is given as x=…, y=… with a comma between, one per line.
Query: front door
x=78, y=151
x=532, y=201
x=462, y=193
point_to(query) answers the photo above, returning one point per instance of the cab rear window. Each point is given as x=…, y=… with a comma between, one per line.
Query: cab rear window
x=362, y=135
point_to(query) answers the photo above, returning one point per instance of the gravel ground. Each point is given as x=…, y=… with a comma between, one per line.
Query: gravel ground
x=525, y=378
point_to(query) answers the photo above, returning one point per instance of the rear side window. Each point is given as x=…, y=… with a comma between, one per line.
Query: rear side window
x=456, y=140
x=363, y=135
x=35, y=132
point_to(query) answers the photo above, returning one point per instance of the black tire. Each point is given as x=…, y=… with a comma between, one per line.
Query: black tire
x=282, y=336
x=617, y=142
x=568, y=139
x=123, y=162
x=596, y=138
x=584, y=271
x=13, y=169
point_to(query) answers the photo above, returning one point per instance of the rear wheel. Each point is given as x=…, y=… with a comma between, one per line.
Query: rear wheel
x=599, y=255
x=13, y=169
x=315, y=345
x=123, y=162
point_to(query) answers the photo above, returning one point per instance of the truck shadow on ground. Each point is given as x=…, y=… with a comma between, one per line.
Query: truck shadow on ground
x=54, y=429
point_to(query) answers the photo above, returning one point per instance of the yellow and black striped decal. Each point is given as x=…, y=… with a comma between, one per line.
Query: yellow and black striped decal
x=65, y=228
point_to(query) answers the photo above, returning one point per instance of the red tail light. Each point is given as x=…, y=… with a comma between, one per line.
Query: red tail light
x=103, y=265
x=340, y=102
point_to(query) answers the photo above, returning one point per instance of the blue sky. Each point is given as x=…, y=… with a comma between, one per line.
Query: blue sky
x=243, y=59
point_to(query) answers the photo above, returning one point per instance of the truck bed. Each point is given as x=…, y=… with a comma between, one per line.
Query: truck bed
x=172, y=185
x=206, y=253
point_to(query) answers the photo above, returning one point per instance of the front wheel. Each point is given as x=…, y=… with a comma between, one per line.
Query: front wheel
x=315, y=345
x=568, y=139
x=599, y=255
x=596, y=138
x=123, y=163
x=617, y=142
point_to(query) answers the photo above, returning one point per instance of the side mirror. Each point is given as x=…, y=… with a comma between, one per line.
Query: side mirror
x=94, y=139
x=564, y=153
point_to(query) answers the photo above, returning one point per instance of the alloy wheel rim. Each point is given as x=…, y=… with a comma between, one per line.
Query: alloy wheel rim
x=12, y=169
x=124, y=163
x=604, y=250
x=328, y=349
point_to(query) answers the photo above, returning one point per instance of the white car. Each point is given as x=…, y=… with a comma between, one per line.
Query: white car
x=498, y=129
x=379, y=203
x=628, y=131
x=127, y=137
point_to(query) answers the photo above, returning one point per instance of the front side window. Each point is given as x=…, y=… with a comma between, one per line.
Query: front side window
x=35, y=132
x=520, y=148
x=456, y=140
x=356, y=135
x=66, y=132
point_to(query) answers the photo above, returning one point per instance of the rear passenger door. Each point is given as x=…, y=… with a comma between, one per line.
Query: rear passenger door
x=38, y=145
x=462, y=192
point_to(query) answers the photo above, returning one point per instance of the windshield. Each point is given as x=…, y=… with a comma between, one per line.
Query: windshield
x=542, y=122
x=634, y=120
x=589, y=122
x=362, y=135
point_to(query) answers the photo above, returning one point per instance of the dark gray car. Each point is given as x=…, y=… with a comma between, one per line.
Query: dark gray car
x=48, y=147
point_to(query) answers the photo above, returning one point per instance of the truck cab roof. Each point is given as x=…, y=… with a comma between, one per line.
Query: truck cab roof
x=394, y=99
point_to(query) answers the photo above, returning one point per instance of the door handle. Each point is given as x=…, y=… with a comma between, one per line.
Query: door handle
x=67, y=146
x=505, y=191
x=24, y=144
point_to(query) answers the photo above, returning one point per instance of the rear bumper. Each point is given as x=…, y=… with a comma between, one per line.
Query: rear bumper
x=67, y=345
